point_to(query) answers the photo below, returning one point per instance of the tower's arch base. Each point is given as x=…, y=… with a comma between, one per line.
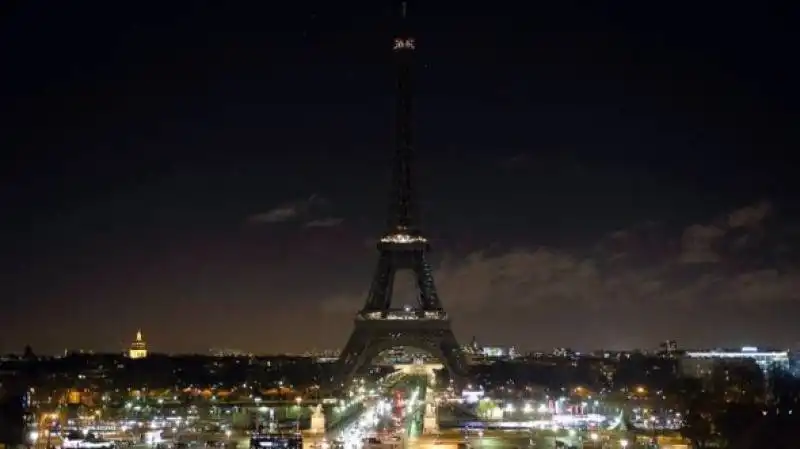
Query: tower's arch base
x=371, y=337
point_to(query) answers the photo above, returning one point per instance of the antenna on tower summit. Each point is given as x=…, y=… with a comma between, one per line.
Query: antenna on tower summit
x=404, y=9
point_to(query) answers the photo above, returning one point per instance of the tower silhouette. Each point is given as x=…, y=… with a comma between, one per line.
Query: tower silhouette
x=378, y=326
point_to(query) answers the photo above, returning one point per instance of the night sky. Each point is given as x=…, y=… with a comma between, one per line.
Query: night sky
x=217, y=175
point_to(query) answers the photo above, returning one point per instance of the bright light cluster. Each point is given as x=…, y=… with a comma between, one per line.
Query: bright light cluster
x=403, y=315
x=774, y=355
x=362, y=431
x=403, y=238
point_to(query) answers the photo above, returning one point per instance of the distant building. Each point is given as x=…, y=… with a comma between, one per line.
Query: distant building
x=702, y=363
x=669, y=348
x=478, y=353
x=138, y=348
x=499, y=352
x=227, y=352
x=563, y=353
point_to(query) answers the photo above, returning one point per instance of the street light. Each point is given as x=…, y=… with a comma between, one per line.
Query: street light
x=623, y=443
x=271, y=412
x=299, y=401
x=653, y=427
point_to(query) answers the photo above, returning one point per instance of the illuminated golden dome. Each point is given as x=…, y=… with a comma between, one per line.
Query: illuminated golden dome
x=138, y=348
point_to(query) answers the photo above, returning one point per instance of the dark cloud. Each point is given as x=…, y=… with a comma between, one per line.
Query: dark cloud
x=516, y=161
x=324, y=222
x=697, y=244
x=751, y=216
x=639, y=269
x=277, y=215
x=293, y=210
x=630, y=288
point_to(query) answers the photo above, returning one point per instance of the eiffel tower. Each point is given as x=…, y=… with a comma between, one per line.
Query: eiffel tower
x=378, y=326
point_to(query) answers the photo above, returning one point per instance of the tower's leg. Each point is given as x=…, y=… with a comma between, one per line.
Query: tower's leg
x=453, y=358
x=429, y=298
x=380, y=292
x=350, y=358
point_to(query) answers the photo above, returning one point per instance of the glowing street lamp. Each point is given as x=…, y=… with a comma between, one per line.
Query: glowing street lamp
x=623, y=443
x=299, y=401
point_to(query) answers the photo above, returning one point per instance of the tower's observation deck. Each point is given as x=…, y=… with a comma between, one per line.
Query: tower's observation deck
x=402, y=241
x=404, y=314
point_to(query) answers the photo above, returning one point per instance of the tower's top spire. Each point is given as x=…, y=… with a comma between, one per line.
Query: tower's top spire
x=402, y=215
x=139, y=335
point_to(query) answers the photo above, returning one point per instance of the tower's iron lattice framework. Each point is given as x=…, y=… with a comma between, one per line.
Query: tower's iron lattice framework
x=378, y=326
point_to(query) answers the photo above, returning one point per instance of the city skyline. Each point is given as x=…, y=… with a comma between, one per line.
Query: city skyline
x=221, y=180
x=138, y=348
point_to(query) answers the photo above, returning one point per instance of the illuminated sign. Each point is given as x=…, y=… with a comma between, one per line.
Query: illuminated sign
x=404, y=44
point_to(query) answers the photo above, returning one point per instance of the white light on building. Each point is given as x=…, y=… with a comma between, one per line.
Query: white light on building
x=764, y=359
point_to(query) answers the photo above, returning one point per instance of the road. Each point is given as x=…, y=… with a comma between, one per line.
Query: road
x=451, y=438
x=377, y=420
